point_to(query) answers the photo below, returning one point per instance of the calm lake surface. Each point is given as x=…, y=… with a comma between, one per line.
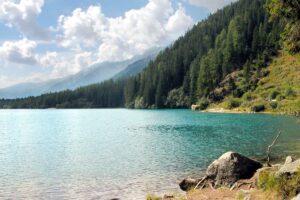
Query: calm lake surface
x=118, y=153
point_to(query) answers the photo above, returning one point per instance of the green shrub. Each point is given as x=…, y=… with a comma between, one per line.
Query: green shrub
x=273, y=94
x=289, y=92
x=238, y=93
x=258, y=108
x=248, y=96
x=177, y=99
x=153, y=197
x=203, y=104
x=267, y=181
x=273, y=104
x=285, y=186
x=280, y=98
x=233, y=103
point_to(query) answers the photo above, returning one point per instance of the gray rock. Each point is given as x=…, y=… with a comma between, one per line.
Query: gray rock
x=231, y=167
x=289, y=160
x=290, y=168
x=297, y=197
x=195, y=107
x=188, y=184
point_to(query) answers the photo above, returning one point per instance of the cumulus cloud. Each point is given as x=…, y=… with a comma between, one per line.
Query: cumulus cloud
x=21, y=52
x=88, y=36
x=23, y=16
x=177, y=23
x=211, y=5
x=155, y=24
x=82, y=27
x=65, y=63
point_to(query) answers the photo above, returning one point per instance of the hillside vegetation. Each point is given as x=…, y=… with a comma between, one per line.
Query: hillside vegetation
x=229, y=60
x=278, y=91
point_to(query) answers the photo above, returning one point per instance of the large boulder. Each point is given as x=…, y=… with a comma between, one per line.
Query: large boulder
x=289, y=168
x=231, y=167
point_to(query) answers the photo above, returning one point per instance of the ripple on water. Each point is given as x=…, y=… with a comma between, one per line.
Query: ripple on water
x=105, y=154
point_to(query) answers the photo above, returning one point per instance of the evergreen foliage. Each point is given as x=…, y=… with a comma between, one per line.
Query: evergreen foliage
x=241, y=36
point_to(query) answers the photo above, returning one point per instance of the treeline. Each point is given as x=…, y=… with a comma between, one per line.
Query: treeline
x=241, y=36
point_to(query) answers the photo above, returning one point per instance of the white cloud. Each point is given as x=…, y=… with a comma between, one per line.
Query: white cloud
x=7, y=81
x=155, y=24
x=82, y=27
x=65, y=63
x=211, y=5
x=23, y=16
x=22, y=51
x=177, y=23
x=88, y=36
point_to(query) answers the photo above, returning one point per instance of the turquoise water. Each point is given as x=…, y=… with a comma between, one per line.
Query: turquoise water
x=105, y=154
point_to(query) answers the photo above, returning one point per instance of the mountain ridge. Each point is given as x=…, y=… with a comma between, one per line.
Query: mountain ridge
x=241, y=38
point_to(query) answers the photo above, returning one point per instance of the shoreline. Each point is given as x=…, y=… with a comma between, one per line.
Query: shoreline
x=222, y=110
x=256, y=186
x=236, y=111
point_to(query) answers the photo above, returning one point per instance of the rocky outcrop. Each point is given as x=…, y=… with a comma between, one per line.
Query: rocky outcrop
x=195, y=107
x=225, y=171
x=289, y=160
x=289, y=168
x=231, y=167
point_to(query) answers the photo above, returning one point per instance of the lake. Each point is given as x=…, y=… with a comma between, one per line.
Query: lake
x=126, y=154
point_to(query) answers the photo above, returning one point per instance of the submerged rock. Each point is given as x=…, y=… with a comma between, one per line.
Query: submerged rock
x=231, y=167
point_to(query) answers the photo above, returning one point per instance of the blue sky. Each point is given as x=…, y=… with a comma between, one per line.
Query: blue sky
x=47, y=39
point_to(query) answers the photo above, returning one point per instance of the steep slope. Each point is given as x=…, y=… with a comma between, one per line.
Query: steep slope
x=277, y=91
x=280, y=90
x=26, y=89
x=221, y=59
x=94, y=74
x=134, y=68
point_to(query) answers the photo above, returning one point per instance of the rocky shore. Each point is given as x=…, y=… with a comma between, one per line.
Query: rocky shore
x=234, y=176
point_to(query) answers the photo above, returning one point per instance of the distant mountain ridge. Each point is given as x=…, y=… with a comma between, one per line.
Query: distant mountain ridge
x=94, y=74
x=223, y=60
x=135, y=68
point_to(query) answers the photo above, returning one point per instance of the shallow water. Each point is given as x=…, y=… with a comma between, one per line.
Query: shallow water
x=118, y=153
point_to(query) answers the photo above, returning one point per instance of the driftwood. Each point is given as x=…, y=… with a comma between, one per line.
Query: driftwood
x=269, y=149
x=240, y=183
x=200, y=182
x=211, y=186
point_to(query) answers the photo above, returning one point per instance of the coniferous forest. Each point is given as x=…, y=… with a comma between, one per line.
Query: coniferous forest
x=238, y=41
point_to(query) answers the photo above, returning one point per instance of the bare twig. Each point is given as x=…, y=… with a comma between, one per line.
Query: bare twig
x=211, y=186
x=201, y=181
x=269, y=149
x=240, y=183
x=234, y=186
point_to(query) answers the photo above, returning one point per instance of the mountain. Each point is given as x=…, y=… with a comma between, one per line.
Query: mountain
x=135, y=68
x=222, y=61
x=94, y=74
x=25, y=89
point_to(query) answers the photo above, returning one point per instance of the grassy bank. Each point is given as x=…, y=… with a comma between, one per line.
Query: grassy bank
x=264, y=185
x=277, y=92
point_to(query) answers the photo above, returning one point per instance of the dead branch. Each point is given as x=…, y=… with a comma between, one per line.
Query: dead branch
x=269, y=149
x=240, y=183
x=201, y=181
x=211, y=186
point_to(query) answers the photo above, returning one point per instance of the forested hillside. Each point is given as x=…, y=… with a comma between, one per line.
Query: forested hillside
x=223, y=56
